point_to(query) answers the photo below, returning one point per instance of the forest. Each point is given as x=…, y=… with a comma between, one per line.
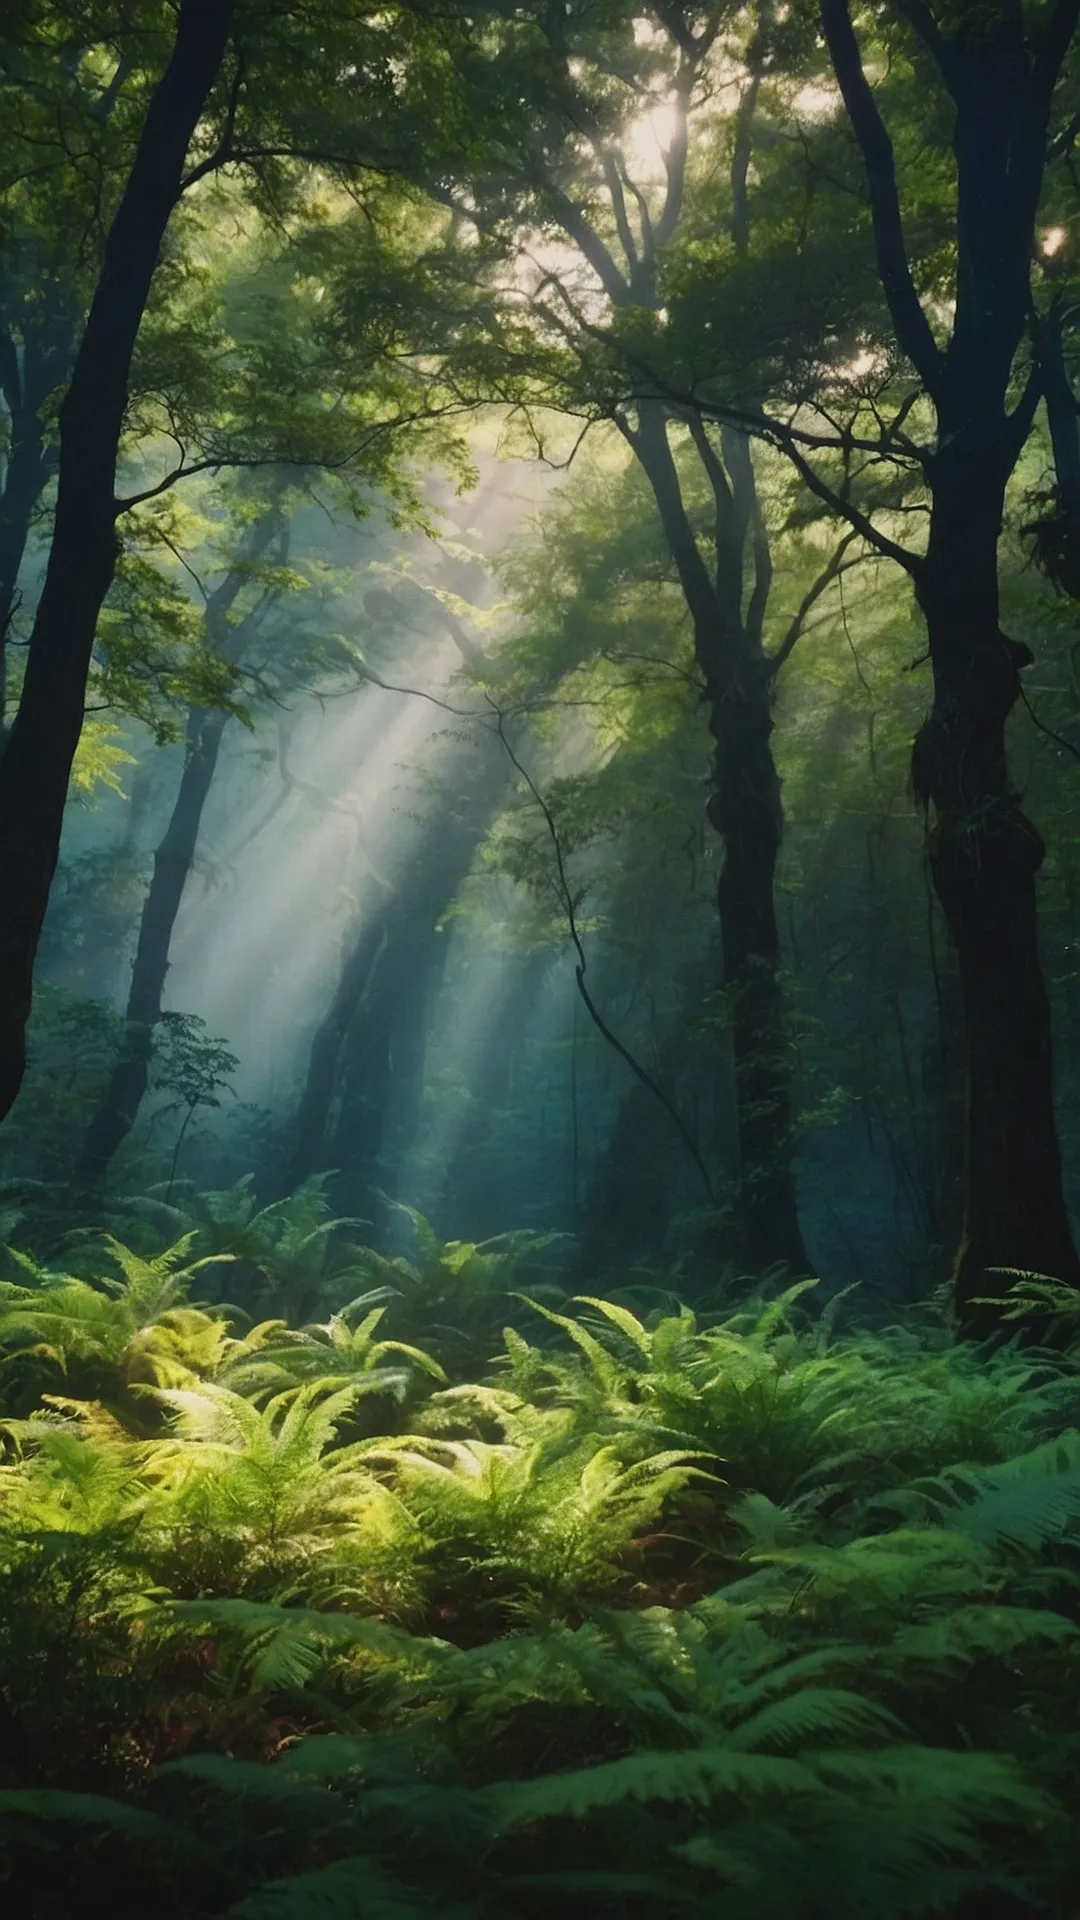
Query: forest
x=540, y=959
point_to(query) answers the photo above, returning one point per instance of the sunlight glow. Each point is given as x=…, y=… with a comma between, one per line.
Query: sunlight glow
x=290, y=893
x=648, y=139
x=816, y=102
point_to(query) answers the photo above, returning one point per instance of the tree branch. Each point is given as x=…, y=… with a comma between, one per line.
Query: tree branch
x=1033, y=118
x=920, y=18
x=567, y=902
x=726, y=530
x=912, y=327
x=577, y=228
x=860, y=522
x=675, y=163
x=618, y=206
x=836, y=566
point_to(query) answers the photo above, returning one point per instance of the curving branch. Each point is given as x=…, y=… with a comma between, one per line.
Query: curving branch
x=790, y=440
x=577, y=228
x=921, y=20
x=725, y=532
x=833, y=570
x=566, y=900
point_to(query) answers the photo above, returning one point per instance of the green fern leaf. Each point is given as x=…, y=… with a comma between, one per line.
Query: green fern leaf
x=692, y=1777
x=92, y=1810
x=359, y=1888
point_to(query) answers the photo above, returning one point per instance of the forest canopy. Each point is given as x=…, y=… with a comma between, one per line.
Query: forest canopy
x=539, y=1094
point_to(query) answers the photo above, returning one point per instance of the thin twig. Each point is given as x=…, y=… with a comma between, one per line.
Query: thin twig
x=581, y=964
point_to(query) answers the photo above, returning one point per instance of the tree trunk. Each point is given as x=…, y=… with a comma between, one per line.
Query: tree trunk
x=984, y=857
x=36, y=764
x=745, y=810
x=312, y=1125
x=173, y=860
x=1000, y=73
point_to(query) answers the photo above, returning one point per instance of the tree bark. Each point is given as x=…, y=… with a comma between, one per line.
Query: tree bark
x=173, y=860
x=745, y=810
x=985, y=856
x=41, y=746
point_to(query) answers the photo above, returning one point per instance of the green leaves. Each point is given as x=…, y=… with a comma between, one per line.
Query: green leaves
x=359, y=1888
x=428, y=1673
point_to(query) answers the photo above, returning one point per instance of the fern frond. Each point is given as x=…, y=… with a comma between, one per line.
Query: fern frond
x=692, y=1777
x=361, y=1885
x=91, y=1810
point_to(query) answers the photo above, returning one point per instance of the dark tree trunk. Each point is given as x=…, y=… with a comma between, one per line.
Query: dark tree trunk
x=41, y=746
x=984, y=853
x=173, y=860
x=746, y=812
x=984, y=858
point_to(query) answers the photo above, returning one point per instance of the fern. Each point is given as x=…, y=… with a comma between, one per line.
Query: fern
x=360, y=1886
x=91, y=1810
x=1024, y=1503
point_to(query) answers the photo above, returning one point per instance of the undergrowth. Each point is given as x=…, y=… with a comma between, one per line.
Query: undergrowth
x=762, y=1614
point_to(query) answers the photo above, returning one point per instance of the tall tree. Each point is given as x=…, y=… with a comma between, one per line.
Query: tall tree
x=255, y=94
x=45, y=733
x=998, y=71
x=65, y=122
x=588, y=215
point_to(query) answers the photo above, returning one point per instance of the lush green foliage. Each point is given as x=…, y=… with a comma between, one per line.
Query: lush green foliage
x=758, y=1608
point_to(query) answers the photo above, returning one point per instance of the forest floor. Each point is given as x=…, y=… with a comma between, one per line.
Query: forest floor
x=603, y=1604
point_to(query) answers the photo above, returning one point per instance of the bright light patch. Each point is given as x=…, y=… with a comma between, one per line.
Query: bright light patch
x=816, y=102
x=1052, y=241
x=648, y=139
